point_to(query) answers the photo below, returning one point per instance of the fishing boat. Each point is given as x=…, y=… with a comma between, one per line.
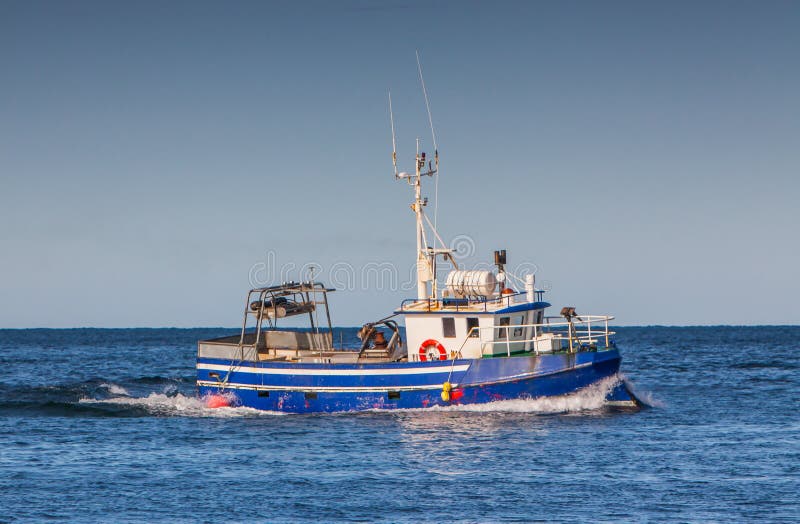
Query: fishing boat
x=470, y=339
x=478, y=336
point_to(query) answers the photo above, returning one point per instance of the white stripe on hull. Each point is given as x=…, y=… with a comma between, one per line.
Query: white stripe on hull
x=379, y=389
x=333, y=372
x=326, y=389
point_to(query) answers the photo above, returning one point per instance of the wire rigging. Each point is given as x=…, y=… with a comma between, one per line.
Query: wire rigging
x=435, y=147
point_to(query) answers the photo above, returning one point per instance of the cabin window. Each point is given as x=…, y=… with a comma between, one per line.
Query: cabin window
x=519, y=321
x=449, y=327
x=473, y=323
x=393, y=395
x=311, y=395
x=503, y=331
x=539, y=316
x=263, y=393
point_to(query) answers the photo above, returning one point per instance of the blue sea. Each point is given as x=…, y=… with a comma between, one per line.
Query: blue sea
x=103, y=425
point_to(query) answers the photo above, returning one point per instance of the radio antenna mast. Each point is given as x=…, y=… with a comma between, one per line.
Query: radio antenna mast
x=394, y=139
x=435, y=147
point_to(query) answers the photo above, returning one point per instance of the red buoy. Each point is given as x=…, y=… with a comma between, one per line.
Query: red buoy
x=218, y=400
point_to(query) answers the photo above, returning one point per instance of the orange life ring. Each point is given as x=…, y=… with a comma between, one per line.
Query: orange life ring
x=426, y=346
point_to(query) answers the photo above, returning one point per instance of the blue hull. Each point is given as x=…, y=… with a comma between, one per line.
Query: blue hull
x=312, y=388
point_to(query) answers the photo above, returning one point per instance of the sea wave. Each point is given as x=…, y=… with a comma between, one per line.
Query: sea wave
x=645, y=398
x=115, y=389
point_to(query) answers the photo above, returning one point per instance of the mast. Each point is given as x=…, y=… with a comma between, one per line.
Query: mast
x=426, y=255
x=423, y=262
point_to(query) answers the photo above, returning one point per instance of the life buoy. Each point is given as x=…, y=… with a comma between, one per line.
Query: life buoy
x=428, y=350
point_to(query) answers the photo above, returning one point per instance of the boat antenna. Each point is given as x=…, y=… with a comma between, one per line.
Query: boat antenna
x=435, y=147
x=394, y=138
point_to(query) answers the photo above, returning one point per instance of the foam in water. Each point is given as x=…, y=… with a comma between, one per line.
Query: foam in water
x=179, y=405
x=115, y=389
x=590, y=398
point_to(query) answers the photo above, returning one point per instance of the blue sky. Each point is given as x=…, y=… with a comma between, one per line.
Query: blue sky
x=155, y=156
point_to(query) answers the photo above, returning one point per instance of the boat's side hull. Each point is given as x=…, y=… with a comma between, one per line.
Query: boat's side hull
x=303, y=388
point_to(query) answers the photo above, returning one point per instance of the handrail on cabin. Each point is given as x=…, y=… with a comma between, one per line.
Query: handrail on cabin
x=585, y=335
x=477, y=300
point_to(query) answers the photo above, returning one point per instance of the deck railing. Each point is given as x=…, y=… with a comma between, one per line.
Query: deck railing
x=579, y=332
x=435, y=304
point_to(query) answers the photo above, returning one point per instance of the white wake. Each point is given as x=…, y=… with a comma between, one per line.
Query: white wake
x=179, y=406
x=588, y=399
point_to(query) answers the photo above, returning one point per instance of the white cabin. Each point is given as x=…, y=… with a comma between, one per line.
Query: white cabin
x=473, y=328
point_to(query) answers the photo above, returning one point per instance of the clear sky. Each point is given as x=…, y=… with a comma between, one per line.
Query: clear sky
x=157, y=157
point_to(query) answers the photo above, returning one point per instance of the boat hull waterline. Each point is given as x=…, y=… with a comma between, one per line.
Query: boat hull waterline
x=313, y=388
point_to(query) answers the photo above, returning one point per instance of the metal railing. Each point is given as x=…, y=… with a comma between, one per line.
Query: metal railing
x=466, y=303
x=580, y=332
x=303, y=292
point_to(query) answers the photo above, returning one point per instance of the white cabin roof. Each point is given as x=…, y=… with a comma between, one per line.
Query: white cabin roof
x=456, y=306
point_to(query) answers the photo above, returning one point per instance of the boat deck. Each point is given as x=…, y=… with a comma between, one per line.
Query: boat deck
x=285, y=346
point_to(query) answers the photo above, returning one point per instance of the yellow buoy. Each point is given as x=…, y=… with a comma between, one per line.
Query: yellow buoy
x=446, y=387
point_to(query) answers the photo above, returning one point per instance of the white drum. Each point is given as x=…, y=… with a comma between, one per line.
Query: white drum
x=471, y=283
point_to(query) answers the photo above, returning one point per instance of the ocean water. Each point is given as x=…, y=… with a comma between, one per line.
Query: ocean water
x=103, y=425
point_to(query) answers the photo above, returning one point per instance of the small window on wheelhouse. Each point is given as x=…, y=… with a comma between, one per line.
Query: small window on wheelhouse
x=503, y=332
x=473, y=323
x=449, y=327
x=519, y=321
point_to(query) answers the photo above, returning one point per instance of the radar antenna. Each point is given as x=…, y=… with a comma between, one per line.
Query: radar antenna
x=394, y=138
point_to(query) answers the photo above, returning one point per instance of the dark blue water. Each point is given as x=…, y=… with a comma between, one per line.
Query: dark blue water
x=103, y=425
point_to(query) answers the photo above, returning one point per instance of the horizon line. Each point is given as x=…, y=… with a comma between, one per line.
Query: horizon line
x=238, y=328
